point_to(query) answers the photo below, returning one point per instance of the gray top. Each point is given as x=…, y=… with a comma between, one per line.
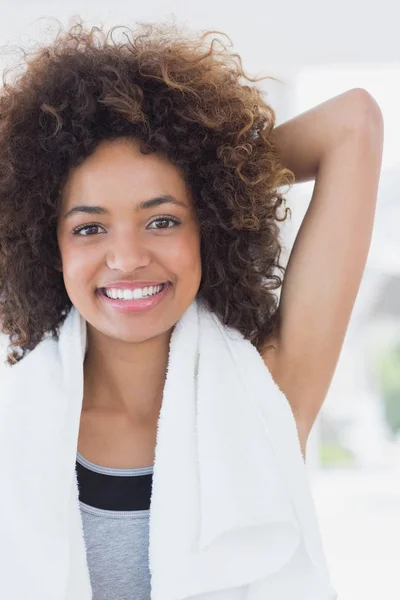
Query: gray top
x=117, y=544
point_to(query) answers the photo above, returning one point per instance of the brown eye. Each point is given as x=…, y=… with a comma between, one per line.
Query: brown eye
x=164, y=220
x=85, y=230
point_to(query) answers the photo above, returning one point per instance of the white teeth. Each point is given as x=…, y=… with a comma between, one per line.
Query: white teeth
x=128, y=294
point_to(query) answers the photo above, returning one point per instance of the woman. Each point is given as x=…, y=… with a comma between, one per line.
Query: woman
x=137, y=176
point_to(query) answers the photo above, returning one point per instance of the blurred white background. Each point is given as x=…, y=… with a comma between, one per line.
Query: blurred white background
x=317, y=50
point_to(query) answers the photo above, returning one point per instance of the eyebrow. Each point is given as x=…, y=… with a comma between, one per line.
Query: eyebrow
x=99, y=210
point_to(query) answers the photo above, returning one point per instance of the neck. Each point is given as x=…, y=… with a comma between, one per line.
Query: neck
x=125, y=378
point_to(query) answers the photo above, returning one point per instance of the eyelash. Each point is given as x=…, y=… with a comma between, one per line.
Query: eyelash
x=80, y=228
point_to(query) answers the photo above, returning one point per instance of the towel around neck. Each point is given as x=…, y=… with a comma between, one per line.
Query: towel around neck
x=231, y=514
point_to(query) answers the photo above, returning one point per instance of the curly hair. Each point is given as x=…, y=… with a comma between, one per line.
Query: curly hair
x=180, y=94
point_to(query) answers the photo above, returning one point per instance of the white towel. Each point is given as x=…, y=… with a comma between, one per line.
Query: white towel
x=231, y=515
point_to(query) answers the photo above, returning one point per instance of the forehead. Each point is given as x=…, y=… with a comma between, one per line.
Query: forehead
x=118, y=170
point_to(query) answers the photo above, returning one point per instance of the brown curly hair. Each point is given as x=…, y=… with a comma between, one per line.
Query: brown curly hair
x=182, y=94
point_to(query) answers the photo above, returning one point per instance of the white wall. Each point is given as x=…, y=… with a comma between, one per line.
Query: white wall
x=270, y=35
x=274, y=38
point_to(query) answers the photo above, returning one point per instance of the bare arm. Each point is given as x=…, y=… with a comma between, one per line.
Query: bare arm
x=339, y=144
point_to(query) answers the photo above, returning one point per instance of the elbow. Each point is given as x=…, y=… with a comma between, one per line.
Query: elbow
x=366, y=117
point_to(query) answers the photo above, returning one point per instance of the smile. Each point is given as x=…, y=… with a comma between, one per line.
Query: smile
x=139, y=299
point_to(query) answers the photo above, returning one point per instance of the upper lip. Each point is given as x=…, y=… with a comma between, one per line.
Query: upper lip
x=131, y=285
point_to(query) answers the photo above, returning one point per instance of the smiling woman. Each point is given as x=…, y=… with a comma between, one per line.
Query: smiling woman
x=140, y=206
x=116, y=125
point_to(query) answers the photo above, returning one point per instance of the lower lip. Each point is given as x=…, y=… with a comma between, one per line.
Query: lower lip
x=135, y=305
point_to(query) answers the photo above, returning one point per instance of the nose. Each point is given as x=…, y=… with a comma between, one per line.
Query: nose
x=127, y=252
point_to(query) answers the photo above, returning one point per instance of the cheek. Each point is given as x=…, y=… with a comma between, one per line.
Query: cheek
x=78, y=266
x=185, y=254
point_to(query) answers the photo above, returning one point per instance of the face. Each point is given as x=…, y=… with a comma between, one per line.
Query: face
x=128, y=220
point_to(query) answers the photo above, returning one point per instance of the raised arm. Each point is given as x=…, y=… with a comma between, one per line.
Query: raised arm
x=339, y=143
